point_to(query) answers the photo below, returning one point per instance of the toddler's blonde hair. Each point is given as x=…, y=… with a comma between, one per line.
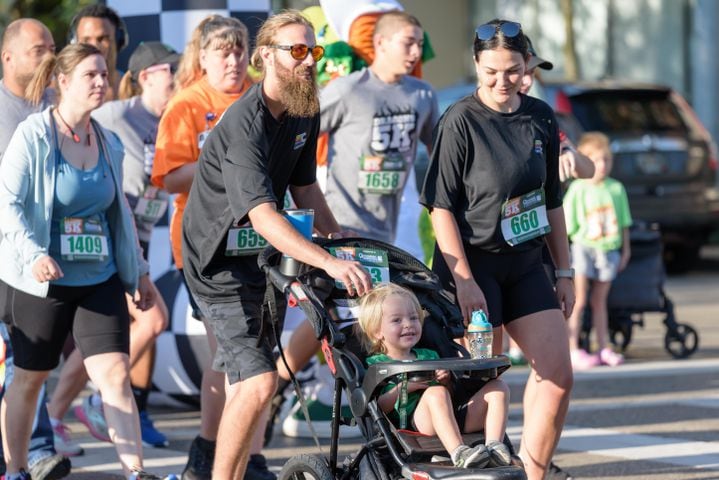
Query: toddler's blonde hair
x=370, y=315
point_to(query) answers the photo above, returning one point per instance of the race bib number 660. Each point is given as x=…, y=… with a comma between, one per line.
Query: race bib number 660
x=525, y=217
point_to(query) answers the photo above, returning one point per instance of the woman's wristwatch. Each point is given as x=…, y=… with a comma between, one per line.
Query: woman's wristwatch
x=564, y=273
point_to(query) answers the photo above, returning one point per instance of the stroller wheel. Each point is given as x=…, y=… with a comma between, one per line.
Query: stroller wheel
x=682, y=341
x=305, y=467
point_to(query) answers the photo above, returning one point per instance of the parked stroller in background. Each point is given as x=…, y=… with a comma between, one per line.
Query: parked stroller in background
x=387, y=453
x=640, y=289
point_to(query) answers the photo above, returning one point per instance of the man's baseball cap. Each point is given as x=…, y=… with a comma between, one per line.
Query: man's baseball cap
x=535, y=61
x=148, y=54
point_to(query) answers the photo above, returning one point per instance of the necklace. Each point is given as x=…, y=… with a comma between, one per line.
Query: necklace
x=75, y=136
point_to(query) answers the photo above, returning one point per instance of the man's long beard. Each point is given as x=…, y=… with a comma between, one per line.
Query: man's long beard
x=299, y=95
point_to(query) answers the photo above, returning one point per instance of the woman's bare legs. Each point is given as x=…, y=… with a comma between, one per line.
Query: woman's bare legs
x=542, y=336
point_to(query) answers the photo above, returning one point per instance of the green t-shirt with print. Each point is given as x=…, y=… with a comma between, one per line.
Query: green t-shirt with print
x=597, y=214
x=413, y=397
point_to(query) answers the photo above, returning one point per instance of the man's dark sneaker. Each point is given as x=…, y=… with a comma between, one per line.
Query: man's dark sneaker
x=200, y=460
x=257, y=469
x=50, y=467
x=556, y=473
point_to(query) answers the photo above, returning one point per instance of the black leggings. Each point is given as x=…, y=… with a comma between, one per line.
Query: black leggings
x=96, y=315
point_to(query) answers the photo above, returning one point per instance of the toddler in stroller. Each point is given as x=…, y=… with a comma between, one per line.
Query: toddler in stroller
x=390, y=324
x=387, y=452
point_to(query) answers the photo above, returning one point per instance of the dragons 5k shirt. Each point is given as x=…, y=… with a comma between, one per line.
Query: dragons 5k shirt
x=374, y=128
x=248, y=159
x=482, y=157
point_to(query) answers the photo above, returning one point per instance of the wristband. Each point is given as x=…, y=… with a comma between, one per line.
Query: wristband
x=564, y=273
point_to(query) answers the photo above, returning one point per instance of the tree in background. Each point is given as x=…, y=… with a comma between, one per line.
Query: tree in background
x=55, y=14
x=571, y=64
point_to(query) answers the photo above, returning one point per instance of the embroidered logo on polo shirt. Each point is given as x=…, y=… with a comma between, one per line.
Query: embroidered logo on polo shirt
x=300, y=140
x=538, y=147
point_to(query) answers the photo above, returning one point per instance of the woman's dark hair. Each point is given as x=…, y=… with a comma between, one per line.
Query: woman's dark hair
x=517, y=43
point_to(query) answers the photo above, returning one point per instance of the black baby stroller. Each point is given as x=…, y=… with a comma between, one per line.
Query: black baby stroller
x=387, y=453
x=640, y=289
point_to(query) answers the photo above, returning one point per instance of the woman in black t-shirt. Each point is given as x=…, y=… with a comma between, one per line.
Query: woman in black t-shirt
x=494, y=194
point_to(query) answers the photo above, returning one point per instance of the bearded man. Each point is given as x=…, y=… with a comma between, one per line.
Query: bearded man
x=265, y=143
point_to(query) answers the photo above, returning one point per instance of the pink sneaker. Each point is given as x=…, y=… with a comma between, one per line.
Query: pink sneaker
x=581, y=360
x=608, y=357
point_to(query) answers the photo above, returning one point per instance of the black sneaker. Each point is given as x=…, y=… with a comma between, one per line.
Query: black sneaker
x=257, y=469
x=200, y=460
x=556, y=473
x=51, y=467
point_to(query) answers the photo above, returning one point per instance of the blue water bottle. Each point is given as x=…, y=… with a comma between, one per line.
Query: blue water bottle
x=480, y=335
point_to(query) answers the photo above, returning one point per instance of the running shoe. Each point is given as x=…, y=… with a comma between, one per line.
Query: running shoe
x=257, y=469
x=50, y=467
x=64, y=444
x=143, y=475
x=94, y=419
x=470, y=457
x=200, y=460
x=499, y=454
x=295, y=424
x=610, y=358
x=556, y=473
x=151, y=437
x=581, y=360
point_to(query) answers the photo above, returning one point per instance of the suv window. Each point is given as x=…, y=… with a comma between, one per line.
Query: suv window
x=624, y=111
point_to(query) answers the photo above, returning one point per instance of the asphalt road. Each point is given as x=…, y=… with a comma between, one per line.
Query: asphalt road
x=652, y=418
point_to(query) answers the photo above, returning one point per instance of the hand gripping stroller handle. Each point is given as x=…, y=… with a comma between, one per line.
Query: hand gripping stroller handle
x=266, y=260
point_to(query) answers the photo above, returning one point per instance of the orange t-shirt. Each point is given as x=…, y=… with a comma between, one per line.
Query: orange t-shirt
x=192, y=113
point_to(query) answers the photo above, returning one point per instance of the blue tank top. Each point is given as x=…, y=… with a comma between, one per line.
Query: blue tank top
x=82, y=197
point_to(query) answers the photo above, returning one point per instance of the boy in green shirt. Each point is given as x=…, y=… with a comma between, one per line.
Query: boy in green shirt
x=598, y=221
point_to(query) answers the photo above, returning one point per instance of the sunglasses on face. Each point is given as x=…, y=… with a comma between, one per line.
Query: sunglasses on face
x=488, y=30
x=299, y=51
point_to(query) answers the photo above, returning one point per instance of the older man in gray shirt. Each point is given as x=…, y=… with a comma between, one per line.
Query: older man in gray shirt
x=24, y=44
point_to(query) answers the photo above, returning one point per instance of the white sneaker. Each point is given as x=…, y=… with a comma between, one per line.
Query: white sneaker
x=63, y=441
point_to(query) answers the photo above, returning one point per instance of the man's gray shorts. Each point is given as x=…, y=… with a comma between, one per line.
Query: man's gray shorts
x=244, y=349
x=595, y=264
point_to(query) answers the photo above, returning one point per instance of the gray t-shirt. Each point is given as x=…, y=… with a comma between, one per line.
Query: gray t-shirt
x=14, y=110
x=137, y=128
x=374, y=128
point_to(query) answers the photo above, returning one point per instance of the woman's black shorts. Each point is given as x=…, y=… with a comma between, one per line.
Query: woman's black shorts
x=96, y=315
x=514, y=284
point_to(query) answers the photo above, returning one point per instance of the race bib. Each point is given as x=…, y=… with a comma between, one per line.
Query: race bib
x=383, y=175
x=201, y=138
x=372, y=259
x=525, y=217
x=82, y=240
x=150, y=208
x=244, y=240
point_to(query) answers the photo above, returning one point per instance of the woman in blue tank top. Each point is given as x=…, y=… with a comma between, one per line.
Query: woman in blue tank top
x=69, y=252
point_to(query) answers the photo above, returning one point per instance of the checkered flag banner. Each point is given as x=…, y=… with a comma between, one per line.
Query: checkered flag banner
x=172, y=21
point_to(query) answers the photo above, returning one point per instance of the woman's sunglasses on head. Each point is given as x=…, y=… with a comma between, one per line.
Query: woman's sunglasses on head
x=299, y=51
x=489, y=30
